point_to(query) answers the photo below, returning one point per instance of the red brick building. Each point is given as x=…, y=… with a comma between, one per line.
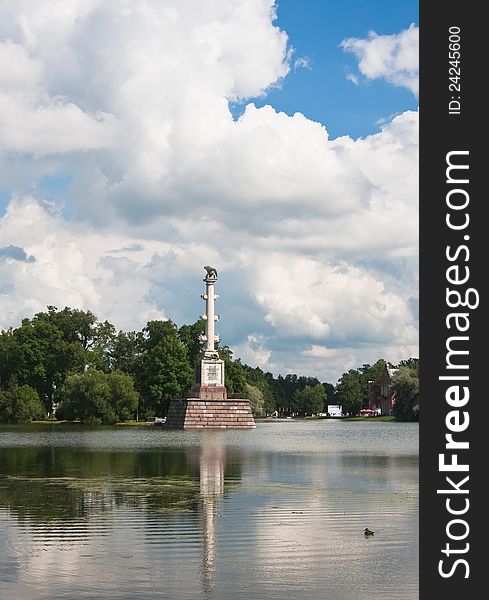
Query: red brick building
x=381, y=395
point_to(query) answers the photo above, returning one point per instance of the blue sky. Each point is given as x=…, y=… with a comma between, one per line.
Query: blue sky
x=322, y=93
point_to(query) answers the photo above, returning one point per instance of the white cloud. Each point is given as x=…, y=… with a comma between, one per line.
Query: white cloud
x=302, y=62
x=302, y=296
x=353, y=78
x=316, y=239
x=69, y=267
x=33, y=121
x=254, y=352
x=391, y=57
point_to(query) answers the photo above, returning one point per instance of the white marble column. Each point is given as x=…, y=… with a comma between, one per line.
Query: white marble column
x=210, y=317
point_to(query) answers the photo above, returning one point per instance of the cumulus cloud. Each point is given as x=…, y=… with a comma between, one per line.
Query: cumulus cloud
x=394, y=58
x=315, y=238
x=34, y=121
x=254, y=352
x=335, y=303
x=70, y=268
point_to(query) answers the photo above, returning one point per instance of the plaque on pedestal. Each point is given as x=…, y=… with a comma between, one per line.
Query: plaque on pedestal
x=209, y=379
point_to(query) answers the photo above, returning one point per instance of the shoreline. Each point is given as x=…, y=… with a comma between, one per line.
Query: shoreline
x=382, y=419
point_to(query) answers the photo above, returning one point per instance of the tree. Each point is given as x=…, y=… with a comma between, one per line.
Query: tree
x=163, y=371
x=255, y=396
x=9, y=358
x=104, y=338
x=75, y=325
x=270, y=393
x=349, y=392
x=124, y=398
x=86, y=397
x=310, y=399
x=264, y=383
x=330, y=392
x=20, y=404
x=234, y=373
x=125, y=350
x=190, y=336
x=406, y=386
x=96, y=397
x=43, y=358
x=412, y=363
x=370, y=374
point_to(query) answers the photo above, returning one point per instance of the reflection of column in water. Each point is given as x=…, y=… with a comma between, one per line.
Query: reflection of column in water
x=211, y=467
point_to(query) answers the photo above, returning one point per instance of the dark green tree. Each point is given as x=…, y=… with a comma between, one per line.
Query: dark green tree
x=75, y=325
x=9, y=358
x=101, y=347
x=43, y=358
x=96, y=397
x=234, y=373
x=412, y=363
x=190, y=336
x=264, y=383
x=406, y=386
x=310, y=400
x=125, y=350
x=370, y=375
x=330, y=392
x=349, y=392
x=87, y=397
x=20, y=404
x=163, y=371
x=124, y=397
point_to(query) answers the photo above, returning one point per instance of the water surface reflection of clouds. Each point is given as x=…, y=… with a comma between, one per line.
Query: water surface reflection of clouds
x=211, y=520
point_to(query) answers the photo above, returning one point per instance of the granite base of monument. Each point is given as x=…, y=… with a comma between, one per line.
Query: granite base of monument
x=198, y=413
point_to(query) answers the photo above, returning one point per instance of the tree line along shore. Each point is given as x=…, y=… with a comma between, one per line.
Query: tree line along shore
x=67, y=365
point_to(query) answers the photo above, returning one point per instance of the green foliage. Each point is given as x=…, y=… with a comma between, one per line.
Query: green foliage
x=330, y=392
x=370, y=373
x=124, y=351
x=104, y=337
x=124, y=397
x=96, y=397
x=350, y=391
x=95, y=373
x=76, y=326
x=163, y=371
x=190, y=336
x=255, y=396
x=20, y=404
x=412, y=364
x=264, y=382
x=311, y=399
x=286, y=390
x=234, y=373
x=406, y=386
x=44, y=350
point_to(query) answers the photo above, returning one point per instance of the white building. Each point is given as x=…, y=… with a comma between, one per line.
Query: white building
x=335, y=410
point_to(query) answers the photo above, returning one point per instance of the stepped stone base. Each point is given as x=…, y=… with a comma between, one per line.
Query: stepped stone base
x=191, y=413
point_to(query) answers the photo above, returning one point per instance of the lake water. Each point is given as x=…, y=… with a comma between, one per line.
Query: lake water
x=274, y=513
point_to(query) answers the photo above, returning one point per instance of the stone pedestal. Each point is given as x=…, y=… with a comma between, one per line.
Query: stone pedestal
x=192, y=413
x=209, y=378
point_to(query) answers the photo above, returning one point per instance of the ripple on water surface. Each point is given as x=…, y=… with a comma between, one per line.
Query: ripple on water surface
x=146, y=513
